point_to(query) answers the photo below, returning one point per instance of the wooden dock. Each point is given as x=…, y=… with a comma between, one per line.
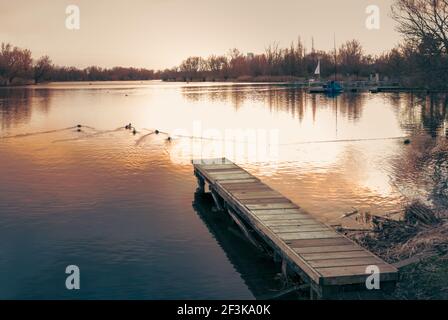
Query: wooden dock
x=325, y=259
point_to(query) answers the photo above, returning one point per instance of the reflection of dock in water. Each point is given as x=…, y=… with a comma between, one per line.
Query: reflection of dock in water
x=261, y=275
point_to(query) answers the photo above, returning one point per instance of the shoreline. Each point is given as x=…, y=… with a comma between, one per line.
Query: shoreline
x=348, y=86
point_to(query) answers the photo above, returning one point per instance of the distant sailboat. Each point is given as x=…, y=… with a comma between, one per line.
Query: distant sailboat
x=317, y=71
x=332, y=87
x=316, y=86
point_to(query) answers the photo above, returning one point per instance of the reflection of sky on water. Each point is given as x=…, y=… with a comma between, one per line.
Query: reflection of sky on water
x=64, y=189
x=269, y=129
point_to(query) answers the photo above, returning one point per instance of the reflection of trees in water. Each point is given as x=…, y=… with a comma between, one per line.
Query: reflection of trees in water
x=284, y=98
x=419, y=111
x=297, y=101
x=414, y=111
x=406, y=110
x=291, y=101
x=434, y=114
x=16, y=105
x=351, y=105
x=394, y=98
x=440, y=176
x=422, y=170
x=235, y=94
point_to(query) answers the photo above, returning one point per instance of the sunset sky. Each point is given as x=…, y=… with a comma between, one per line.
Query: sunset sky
x=161, y=33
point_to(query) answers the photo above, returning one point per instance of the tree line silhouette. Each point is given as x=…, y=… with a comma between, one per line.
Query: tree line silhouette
x=17, y=66
x=421, y=60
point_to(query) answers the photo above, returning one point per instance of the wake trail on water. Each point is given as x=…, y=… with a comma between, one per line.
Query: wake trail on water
x=23, y=135
x=292, y=143
x=343, y=140
x=92, y=135
x=140, y=140
x=152, y=132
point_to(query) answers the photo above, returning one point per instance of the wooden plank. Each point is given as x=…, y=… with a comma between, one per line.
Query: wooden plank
x=354, y=274
x=225, y=172
x=247, y=187
x=295, y=228
x=237, y=185
x=267, y=195
x=215, y=166
x=240, y=176
x=298, y=222
x=308, y=235
x=319, y=242
x=336, y=255
x=251, y=180
x=272, y=217
x=273, y=196
x=281, y=211
x=326, y=249
x=254, y=191
x=248, y=190
x=264, y=201
x=216, y=161
x=364, y=261
x=272, y=206
x=257, y=194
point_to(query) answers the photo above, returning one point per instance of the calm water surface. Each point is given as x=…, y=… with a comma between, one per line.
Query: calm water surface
x=123, y=208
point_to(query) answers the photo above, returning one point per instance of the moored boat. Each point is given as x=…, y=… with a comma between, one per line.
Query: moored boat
x=331, y=87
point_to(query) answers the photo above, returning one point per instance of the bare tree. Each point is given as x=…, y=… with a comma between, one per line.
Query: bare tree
x=351, y=57
x=190, y=67
x=42, y=68
x=14, y=62
x=423, y=22
x=216, y=63
x=273, y=57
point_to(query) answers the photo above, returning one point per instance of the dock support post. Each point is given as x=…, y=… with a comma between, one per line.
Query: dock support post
x=217, y=199
x=314, y=292
x=285, y=270
x=243, y=228
x=201, y=183
x=276, y=257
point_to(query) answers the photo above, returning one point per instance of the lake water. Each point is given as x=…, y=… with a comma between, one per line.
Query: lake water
x=122, y=207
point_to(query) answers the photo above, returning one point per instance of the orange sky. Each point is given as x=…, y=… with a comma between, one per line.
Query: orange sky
x=161, y=33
